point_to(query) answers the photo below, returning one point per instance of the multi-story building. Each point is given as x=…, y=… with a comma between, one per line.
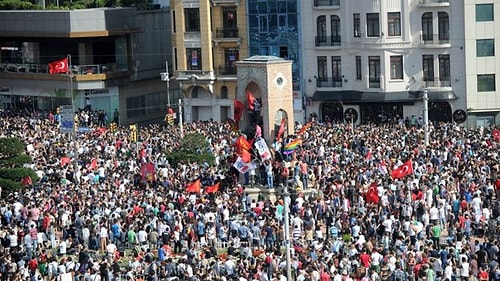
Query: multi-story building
x=115, y=56
x=274, y=30
x=372, y=60
x=481, y=61
x=208, y=38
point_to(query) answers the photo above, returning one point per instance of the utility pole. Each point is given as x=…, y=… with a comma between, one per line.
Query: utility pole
x=426, y=117
x=166, y=77
x=286, y=210
x=181, y=127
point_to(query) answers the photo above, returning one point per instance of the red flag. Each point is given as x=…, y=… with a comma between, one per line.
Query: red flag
x=250, y=100
x=304, y=128
x=27, y=181
x=65, y=160
x=93, y=164
x=233, y=124
x=372, y=194
x=403, y=170
x=212, y=188
x=245, y=156
x=148, y=172
x=59, y=66
x=194, y=187
x=282, y=129
x=242, y=144
x=238, y=110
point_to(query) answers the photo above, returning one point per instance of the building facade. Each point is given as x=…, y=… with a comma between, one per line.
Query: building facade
x=114, y=56
x=481, y=72
x=370, y=61
x=208, y=38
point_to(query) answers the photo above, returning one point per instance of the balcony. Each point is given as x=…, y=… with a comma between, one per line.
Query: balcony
x=328, y=82
x=226, y=34
x=32, y=68
x=434, y=3
x=374, y=83
x=327, y=3
x=436, y=82
x=324, y=41
x=225, y=2
x=435, y=39
x=226, y=70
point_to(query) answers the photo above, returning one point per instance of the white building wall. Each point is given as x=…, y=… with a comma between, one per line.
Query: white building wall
x=407, y=45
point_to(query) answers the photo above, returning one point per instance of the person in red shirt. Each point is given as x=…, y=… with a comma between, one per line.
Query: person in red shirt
x=365, y=259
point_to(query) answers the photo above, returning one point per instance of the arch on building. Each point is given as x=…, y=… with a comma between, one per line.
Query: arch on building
x=198, y=92
x=440, y=112
x=280, y=118
x=332, y=112
x=321, y=29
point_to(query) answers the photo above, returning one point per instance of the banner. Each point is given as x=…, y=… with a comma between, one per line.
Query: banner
x=212, y=188
x=238, y=110
x=241, y=166
x=264, y=152
x=194, y=187
x=148, y=172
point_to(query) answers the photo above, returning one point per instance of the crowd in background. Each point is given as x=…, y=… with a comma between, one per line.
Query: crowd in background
x=103, y=221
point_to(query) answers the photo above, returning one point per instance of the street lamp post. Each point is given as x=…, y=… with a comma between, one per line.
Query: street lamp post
x=426, y=117
x=166, y=77
x=286, y=210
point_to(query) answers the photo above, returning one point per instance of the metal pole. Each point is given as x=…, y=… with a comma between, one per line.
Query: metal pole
x=180, y=119
x=75, y=143
x=167, y=79
x=287, y=232
x=426, y=118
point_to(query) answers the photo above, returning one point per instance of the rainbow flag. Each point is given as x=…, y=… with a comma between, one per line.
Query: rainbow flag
x=291, y=146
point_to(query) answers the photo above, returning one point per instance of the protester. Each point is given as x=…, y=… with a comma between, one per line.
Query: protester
x=367, y=203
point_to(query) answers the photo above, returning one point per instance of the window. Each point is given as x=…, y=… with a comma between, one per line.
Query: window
x=485, y=47
x=394, y=24
x=374, y=71
x=335, y=29
x=372, y=25
x=428, y=67
x=358, y=68
x=223, y=92
x=154, y=102
x=396, y=67
x=193, y=58
x=484, y=12
x=322, y=72
x=136, y=106
x=231, y=56
x=357, y=25
x=337, y=71
x=321, y=29
x=486, y=83
x=444, y=70
x=443, y=26
x=192, y=17
x=427, y=27
x=263, y=24
x=174, y=25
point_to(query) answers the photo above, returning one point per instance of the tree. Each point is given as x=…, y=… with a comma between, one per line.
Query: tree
x=13, y=157
x=192, y=148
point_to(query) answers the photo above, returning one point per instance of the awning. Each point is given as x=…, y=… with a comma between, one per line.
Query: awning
x=362, y=97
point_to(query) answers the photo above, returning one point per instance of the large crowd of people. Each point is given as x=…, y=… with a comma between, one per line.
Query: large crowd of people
x=92, y=215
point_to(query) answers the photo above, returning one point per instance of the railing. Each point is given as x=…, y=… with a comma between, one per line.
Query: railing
x=328, y=82
x=226, y=70
x=322, y=3
x=435, y=39
x=322, y=41
x=43, y=68
x=374, y=83
x=231, y=32
x=436, y=82
x=434, y=1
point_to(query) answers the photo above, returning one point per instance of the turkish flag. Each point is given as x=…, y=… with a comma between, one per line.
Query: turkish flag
x=59, y=66
x=194, y=187
x=372, y=194
x=212, y=188
x=496, y=134
x=238, y=110
x=250, y=100
x=403, y=170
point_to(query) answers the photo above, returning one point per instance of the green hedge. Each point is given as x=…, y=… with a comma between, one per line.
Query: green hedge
x=17, y=174
x=9, y=186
